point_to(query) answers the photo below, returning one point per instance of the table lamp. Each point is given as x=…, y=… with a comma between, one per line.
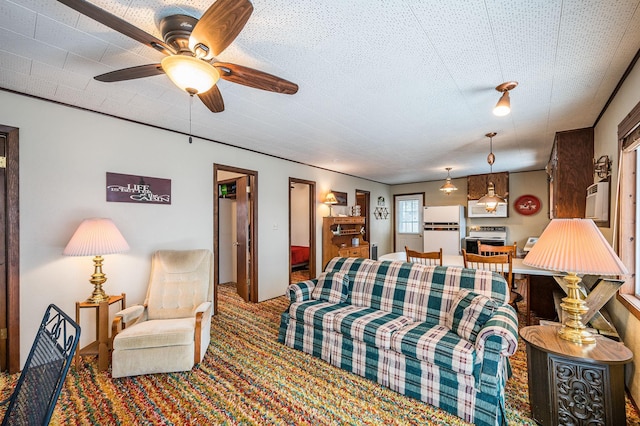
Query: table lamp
x=574, y=246
x=330, y=200
x=96, y=237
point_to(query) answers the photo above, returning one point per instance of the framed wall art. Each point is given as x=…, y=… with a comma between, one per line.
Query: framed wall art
x=123, y=188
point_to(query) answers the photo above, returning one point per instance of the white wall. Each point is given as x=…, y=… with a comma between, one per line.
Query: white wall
x=64, y=156
x=606, y=143
x=519, y=227
x=299, y=214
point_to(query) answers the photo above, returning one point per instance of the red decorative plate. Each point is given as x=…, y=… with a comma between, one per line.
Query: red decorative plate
x=527, y=205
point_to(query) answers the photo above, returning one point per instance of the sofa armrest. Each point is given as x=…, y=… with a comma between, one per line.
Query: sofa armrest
x=504, y=324
x=301, y=291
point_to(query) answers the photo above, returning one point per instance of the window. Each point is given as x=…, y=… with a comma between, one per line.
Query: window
x=628, y=229
x=409, y=216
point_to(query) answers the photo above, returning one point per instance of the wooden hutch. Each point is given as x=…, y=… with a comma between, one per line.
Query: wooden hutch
x=338, y=237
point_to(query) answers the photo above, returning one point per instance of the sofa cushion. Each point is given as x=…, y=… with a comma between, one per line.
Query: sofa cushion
x=435, y=344
x=390, y=286
x=320, y=313
x=331, y=287
x=469, y=313
x=372, y=326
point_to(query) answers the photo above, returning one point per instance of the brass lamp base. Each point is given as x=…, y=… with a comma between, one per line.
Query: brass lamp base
x=574, y=307
x=97, y=279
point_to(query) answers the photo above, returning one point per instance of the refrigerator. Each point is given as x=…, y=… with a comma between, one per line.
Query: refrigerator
x=444, y=227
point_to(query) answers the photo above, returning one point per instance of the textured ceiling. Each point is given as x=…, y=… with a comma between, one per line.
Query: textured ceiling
x=393, y=91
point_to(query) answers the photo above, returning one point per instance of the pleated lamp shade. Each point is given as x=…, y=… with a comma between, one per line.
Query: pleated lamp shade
x=574, y=245
x=96, y=237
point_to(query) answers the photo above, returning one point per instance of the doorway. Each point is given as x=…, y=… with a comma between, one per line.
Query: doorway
x=235, y=231
x=9, y=251
x=407, y=216
x=302, y=235
x=363, y=199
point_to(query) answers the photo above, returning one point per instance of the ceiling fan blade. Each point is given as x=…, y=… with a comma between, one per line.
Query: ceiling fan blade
x=212, y=98
x=118, y=24
x=254, y=78
x=219, y=26
x=131, y=73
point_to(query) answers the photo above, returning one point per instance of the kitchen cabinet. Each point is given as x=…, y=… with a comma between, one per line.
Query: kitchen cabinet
x=477, y=185
x=339, y=235
x=570, y=171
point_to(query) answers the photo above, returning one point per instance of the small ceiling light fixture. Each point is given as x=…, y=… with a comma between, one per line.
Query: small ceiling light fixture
x=491, y=200
x=190, y=74
x=448, y=187
x=503, y=107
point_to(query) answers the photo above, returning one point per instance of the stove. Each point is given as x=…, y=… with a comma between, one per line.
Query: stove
x=491, y=235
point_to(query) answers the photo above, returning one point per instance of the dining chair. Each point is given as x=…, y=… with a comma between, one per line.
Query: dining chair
x=502, y=262
x=428, y=258
x=486, y=249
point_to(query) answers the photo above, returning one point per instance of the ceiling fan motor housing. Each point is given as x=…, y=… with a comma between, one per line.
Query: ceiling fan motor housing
x=176, y=30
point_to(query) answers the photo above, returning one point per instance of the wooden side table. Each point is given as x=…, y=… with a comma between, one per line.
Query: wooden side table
x=575, y=384
x=102, y=345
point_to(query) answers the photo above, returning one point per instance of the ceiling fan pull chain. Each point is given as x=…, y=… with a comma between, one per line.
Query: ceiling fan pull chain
x=190, y=105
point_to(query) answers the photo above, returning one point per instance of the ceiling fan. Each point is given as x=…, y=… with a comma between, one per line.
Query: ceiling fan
x=190, y=46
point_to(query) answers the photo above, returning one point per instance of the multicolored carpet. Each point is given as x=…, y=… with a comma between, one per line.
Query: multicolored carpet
x=247, y=377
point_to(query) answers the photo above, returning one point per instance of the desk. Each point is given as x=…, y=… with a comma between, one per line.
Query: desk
x=575, y=384
x=102, y=345
x=518, y=267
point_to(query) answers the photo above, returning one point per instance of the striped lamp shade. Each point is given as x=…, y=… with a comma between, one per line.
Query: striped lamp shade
x=574, y=245
x=96, y=237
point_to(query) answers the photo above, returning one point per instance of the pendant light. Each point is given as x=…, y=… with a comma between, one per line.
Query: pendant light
x=503, y=107
x=491, y=200
x=448, y=187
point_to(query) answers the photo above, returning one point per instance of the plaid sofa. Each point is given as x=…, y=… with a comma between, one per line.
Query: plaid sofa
x=439, y=334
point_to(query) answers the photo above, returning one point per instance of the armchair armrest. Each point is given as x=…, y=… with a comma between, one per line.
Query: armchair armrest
x=202, y=311
x=131, y=314
x=301, y=291
x=203, y=308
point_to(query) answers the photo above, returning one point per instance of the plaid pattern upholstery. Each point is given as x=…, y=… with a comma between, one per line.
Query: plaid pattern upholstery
x=469, y=313
x=391, y=329
x=332, y=287
x=437, y=345
x=369, y=325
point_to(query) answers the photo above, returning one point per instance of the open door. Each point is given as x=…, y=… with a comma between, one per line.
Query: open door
x=302, y=232
x=235, y=249
x=363, y=199
x=9, y=251
x=242, y=238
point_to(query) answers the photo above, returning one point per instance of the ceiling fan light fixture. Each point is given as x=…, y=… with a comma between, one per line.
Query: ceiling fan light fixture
x=503, y=107
x=190, y=74
x=448, y=187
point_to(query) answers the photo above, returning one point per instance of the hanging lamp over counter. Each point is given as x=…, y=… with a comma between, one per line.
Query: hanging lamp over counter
x=448, y=187
x=491, y=200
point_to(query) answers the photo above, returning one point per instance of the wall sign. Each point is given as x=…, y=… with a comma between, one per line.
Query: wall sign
x=527, y=205
x=138, y=189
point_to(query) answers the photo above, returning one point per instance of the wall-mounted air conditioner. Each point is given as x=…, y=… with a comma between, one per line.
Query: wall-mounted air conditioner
x=598, y=202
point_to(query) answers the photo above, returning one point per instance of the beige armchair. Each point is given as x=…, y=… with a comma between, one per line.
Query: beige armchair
x=171, y=331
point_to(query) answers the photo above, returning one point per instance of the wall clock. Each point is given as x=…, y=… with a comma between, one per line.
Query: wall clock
x=527, y=205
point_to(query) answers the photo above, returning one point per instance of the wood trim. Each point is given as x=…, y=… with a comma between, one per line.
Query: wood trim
x=312, y=224
x=627, y=202
x=197, y=338
x=13, y=247
x=253, y=183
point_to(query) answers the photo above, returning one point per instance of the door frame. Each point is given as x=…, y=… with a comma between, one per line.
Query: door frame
x=12, y=237
x=312, y=224
x=366, y=212
x=253, y=234
x=393, y=216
